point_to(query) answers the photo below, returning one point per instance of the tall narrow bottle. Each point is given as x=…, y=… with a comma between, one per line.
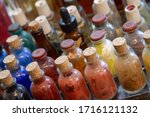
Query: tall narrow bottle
x=75, y=54
x=71, y=81
x=41, y=40
x=132, y=14
x=42, y=87
x=12, y=90
x=22, y=54
x=46, y=63
x=18, y=72
x=104, y=48
x=128, y=68
x=69, y=26
x=3, y=54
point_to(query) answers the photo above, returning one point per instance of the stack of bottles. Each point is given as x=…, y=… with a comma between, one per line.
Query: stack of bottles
x=71, y=57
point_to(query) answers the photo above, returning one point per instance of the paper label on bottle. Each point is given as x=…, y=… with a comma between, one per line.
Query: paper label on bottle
x=79, y=42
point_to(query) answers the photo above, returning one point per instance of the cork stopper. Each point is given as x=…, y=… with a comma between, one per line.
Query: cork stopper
x=67, y=44
x=97, y=35
x=120, y=45
x=129, y=26
x=132, y=13
x=39, y=53
x=63, y=63
x=43, y=22
x=98, y=19
x=74, y=11
x=134, y=2
x=19, y=16
x=146, y=36
x=6, y=78
x=43, y=8
x=34, y=26
x=10, y=61
x=14, y=41
x=101, y=6
x=90, y=54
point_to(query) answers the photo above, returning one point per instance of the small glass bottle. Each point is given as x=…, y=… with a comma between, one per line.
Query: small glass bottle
x=134, y=38
x=143, y=9
x=42, y=87
x=146, y=52
x=22, y=54
x=12, y=90
x=50, y=33
x=41, y=41
x=27, y=39
x=75, y=54
x=46, y=63
x=18, y=72
x=3, y=54
x=99, y=79
x=128, y=68
x=104, y=48
x=69, y=26
x=83, y=25
x=132, y=14
x=100, y=23
x=71, y=81
x=101, y=6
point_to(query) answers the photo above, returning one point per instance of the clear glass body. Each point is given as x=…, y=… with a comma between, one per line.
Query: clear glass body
x=100, y=80
x=135, y=41
x=3, y=54
x=142, y=25
x=73, y=86
x=23, y=55
x=130, y=73
x=106, y=51
x=108, y=28
x=44, y=88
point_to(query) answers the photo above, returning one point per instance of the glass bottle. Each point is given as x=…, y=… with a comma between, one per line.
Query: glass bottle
x=143, y=9
x=128, y=68
x=50, y=33
x=99, y=79
x=27, y=39
x=101, y=6
x=71, y=81
x=132, y=14
x=3, y=54
x=83, y=25
x=69, y=26
x=100, y=23
x=22, y=54
x=104, y=48
x=134, y=38
x=46, y=63
x=12, y=90
x=146, y=52
x=75, y=54
x=18, y=72
x=42, y=87
x=41, y=41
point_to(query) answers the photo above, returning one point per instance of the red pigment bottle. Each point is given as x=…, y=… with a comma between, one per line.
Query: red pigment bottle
x=42, y=87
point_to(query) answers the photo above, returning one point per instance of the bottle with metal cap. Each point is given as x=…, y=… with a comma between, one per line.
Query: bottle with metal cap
x=69, y=26
x=99, y=78
x=50, y=33
x=133, y=14
x=23, y=54
x=42, y=87
x=75, y=54
x=41, y=40
x=3, y=54
x=104, y=48
x=12, y=90
x=143, y=9
x=27, y=39
x=71, y=82
x=100, y=22
x=18, y=72
x=128, y=68
x=134, y=37
x=146, y=52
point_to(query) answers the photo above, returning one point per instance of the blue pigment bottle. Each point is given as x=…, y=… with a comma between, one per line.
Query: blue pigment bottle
x=22, y=53
x=3, y=54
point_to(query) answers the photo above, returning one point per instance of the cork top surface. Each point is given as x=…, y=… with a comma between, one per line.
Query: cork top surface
x=66, y=44
x=97, y=35
x=60, y=60
x=4, y=74
x=13, y=41
x=89, y=51
x=34, y=25
x=38, y=53
x=119, y=41
x=41, y=19
x=98, y=19
x=32, y=66
x=40, y=3
x=9, y=59
x=129, y=26
x=147, y=34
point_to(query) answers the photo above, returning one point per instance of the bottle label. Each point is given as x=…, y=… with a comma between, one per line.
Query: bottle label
x=79, y=42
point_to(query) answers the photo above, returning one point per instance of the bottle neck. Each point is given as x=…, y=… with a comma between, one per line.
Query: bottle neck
x=39, y=34
x=17, y=50
x=67, y=71
x=101, y=26
x=73, y=32
x=101, y=41
x=125, y=53
x=72, y=50
x=39, y=80
x=94, y=61
x=17, y=32
x=11, y=87
x=42, y=60
x=15, y=67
